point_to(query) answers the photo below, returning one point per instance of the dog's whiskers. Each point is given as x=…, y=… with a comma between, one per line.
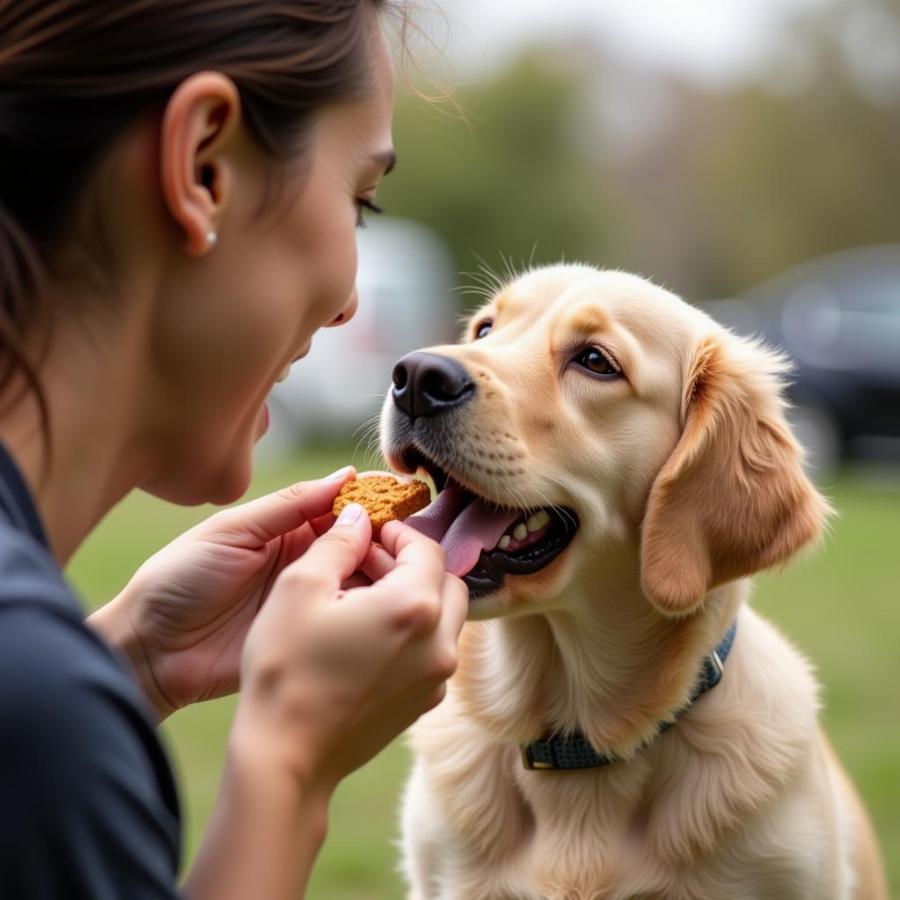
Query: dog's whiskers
x=488, y=275
x=368, y=438
x=509, y=268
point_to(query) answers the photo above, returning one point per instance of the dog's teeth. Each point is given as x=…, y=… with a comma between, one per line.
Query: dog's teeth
x=504, y=542
x=422, y=474
x=284, y=373
x=520, y=532
x=539, y=520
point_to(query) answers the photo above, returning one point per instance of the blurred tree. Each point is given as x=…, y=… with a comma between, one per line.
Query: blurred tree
x=717, y=189
x=747, y=182
x=510, y=178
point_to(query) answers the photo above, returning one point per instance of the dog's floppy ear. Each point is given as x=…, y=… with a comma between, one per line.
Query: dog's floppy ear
x=732, y=498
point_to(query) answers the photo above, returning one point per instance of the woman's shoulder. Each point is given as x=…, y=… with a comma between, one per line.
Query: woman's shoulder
x=72, y=718
x=42, y=629
x=80, y=760
x=28, y=571
x=56, y=673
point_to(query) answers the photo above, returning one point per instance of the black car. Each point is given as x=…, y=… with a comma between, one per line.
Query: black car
x=838, y=318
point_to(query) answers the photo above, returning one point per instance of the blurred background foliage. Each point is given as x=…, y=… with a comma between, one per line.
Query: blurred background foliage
x=503, y=173
x=569, y=150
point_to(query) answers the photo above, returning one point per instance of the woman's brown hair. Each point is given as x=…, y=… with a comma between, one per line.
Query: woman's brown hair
x=74, y=74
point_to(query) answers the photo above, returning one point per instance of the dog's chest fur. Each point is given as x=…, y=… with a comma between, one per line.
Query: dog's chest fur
x=492, y=830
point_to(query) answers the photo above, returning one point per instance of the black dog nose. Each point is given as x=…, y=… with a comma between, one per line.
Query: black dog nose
x=426, y=384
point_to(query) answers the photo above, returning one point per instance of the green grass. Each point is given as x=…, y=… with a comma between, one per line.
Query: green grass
x=841, y=605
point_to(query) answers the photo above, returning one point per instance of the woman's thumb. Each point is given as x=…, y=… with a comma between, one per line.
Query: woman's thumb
x=260, y=521
x=332, y=558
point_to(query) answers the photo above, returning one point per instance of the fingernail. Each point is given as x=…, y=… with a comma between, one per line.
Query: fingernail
x=349, y=514
x=337, y=476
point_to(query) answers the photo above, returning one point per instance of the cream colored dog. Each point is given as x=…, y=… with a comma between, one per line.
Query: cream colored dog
x=616, y=465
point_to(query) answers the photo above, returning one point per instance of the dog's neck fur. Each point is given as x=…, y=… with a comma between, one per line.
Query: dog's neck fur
x=603, y=662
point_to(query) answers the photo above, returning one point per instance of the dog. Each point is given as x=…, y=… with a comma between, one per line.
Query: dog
x=613, y=465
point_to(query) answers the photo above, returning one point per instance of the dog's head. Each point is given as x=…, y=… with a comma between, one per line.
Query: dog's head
x=589, y=411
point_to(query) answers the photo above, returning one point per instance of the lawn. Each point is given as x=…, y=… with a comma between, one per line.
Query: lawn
x=841, y=605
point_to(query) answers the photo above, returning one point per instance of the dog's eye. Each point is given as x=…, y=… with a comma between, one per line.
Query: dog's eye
x=483, y=329
x=595, y=361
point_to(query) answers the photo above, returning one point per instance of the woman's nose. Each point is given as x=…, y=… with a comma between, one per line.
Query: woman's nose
x=348, y=312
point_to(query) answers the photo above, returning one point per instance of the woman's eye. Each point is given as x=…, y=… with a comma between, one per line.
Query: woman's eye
x=483, y=329
x=595, y=361
x=363, y=206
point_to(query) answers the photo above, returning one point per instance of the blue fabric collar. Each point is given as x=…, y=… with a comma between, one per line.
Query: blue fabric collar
x=561, y=752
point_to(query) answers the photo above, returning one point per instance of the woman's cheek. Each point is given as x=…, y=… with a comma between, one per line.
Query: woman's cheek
x=327, y=263
x=341, y=281
x=350, y=270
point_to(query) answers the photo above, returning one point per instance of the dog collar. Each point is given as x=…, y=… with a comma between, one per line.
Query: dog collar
x=573, y=751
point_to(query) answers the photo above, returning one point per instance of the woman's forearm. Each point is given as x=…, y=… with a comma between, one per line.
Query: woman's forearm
x=267, y=827
x=270, y=815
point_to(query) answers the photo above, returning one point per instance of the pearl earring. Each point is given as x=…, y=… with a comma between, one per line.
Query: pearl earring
x=211, y=238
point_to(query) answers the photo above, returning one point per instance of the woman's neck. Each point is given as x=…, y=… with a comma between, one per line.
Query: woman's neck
x=93, y=388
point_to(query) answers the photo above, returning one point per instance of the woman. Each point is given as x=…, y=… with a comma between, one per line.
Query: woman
x=179, y=188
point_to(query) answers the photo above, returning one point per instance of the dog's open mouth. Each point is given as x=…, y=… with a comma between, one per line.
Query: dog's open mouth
x=484, y=541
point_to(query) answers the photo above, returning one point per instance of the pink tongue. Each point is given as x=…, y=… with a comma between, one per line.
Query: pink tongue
x=463, y=526
x=435, y=520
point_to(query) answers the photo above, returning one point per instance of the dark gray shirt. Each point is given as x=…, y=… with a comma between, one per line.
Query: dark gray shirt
x=88, y=806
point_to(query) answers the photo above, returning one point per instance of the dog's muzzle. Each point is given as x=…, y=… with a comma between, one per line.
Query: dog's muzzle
x=484, y=541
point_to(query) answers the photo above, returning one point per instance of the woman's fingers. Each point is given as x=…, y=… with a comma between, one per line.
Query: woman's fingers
x=418, y=576
x=455, y=602
x=321, y=524
x=377, y=563
x=414, y=550
x=355, y=581
x=332, y=558
x=376, y=655
x=260, y=521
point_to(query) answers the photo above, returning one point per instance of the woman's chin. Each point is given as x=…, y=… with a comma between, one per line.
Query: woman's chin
x=209, y=470
x=218, y=482
x=218, y=492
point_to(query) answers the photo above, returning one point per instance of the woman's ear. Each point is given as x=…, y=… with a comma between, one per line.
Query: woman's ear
x=200, y=120
x=733, y=497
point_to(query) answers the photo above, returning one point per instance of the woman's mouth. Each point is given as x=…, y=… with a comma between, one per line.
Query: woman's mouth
x=283, y=374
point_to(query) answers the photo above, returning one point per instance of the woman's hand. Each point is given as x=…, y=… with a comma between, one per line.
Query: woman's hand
x=329, y=674
x=183, y=617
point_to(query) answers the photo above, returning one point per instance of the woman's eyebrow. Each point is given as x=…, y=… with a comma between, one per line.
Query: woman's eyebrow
x=387, y=159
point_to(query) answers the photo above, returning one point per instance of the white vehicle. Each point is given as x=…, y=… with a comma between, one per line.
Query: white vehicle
x=406, y=301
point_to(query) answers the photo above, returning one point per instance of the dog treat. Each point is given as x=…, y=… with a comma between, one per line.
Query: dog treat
x=384, y=498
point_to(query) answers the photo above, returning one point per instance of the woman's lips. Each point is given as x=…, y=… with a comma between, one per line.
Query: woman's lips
x=283, y=374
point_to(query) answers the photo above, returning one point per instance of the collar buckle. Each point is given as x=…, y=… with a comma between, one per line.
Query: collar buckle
x=716, y=663
x=529, y=762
